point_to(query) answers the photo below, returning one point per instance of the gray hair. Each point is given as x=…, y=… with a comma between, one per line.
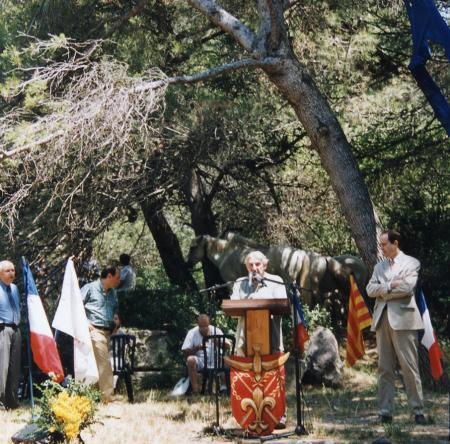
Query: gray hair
x=6, y=264
x=256, y=255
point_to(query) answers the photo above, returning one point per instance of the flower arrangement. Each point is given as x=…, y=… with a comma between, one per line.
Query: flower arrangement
x=65, y=411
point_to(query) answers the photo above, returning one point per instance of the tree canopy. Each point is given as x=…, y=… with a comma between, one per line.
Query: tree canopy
x=287, y=121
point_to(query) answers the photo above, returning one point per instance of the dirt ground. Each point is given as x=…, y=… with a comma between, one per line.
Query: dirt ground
x=344, y=415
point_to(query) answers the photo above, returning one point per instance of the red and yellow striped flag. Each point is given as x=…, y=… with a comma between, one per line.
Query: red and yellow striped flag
x=358, y=319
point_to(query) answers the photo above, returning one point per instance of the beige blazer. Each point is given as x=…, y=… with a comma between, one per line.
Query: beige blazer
x=402, y=310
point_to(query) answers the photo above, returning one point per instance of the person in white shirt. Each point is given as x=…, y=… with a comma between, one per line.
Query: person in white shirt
x=259, y=285
x=193, y=348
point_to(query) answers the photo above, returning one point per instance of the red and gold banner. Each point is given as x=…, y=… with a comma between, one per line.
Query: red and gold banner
x=358, y=319
x=258, y=398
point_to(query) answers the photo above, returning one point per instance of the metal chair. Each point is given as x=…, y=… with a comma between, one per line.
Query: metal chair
x=123, y=349
x=214, y=363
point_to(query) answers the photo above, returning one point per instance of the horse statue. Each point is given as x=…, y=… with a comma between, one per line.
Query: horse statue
x=315, y=274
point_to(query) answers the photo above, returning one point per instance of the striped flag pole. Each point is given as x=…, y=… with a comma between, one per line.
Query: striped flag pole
x=358, y=319
x=30, y=361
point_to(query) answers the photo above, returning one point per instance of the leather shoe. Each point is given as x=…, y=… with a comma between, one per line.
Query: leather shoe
x=280, y=426
x=420, y=420
x=385, y=419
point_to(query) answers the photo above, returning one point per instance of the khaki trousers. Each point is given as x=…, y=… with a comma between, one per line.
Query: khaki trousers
x=397, y=346
x=100, y=342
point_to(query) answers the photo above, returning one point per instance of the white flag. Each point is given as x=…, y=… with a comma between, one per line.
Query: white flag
x=70, y=318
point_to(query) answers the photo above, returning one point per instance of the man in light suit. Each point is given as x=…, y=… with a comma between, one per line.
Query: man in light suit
x=396, y=320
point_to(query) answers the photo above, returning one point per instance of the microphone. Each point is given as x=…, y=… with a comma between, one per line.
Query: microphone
x=257, y=278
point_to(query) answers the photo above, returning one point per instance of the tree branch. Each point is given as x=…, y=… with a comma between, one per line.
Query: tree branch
x=208, y=74
x=224, y=20
x=275, y=32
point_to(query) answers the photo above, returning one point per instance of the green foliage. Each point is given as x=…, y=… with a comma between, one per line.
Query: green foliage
x=358, y=55
x=35, y=95
x=317, y=317
x=165, y=309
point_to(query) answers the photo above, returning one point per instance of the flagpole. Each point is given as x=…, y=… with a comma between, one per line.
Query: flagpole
x=30, y=361
x=300, y=428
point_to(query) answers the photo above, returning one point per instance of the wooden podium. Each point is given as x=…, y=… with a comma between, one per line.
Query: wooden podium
x=257, y=320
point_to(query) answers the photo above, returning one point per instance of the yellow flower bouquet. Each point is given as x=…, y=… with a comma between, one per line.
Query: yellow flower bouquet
x=65, y=411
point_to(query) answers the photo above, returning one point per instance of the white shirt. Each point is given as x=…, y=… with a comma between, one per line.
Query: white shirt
x=194, y=338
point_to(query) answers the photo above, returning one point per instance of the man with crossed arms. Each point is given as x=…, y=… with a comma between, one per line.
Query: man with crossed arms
x=396, y=319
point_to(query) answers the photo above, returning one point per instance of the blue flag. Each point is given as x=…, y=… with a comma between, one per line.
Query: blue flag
x=427, y=24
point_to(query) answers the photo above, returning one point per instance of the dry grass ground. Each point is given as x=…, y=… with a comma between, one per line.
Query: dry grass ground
x=346, y=415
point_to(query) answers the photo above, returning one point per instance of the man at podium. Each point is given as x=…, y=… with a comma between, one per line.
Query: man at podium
x=259, y=285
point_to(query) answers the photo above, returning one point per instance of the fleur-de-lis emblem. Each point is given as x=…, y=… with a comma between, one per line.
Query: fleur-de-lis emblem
x=262, y=406
x=257, y=404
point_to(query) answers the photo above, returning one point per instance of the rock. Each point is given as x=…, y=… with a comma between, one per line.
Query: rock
x=323, y=363
x=31, y=434
x=152, y=351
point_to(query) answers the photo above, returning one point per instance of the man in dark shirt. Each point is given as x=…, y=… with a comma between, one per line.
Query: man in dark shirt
x=10, y=338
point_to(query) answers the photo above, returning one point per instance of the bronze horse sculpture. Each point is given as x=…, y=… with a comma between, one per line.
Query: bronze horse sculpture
x=315, y=274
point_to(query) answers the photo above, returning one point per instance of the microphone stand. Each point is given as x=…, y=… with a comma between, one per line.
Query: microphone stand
x=212, y=315
x=300, y=428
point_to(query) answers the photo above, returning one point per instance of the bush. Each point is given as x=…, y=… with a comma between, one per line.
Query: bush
x=317, y=317
x=168, y=309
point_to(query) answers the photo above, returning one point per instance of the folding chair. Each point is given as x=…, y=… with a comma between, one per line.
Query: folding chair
x=123, y=348
x=214, y=363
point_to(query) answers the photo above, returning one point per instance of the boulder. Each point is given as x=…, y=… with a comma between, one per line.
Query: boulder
x=32, y=434
x=152, y=349
x=323, y=363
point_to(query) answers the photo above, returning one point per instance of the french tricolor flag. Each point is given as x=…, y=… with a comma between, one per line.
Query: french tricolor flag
x=428, y=337
x=43, y=346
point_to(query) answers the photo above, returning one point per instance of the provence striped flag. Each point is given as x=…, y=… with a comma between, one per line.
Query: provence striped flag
x=428, y=338
x=43, y=346
x=301, y=328
x=358, y=319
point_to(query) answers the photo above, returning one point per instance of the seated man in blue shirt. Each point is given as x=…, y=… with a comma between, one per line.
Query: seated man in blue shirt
x=10, y=338
x=100, y=303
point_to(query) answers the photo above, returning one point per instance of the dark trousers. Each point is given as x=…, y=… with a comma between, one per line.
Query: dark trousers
x=10, y=360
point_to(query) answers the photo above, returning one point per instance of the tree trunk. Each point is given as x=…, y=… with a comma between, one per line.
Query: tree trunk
x=327, y=137
x=271, y=44
x=203, y=222
x=168, y=248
